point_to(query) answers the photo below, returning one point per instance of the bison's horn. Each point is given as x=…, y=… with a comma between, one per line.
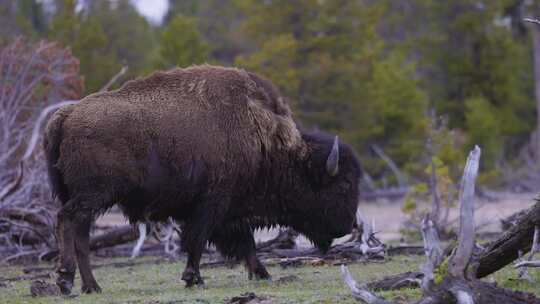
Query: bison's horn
x=332, y=163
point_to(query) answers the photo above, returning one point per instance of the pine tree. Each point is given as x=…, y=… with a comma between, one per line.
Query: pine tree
x=87, y=39
x=329, y=58
x=478, y=72
x=181, y=44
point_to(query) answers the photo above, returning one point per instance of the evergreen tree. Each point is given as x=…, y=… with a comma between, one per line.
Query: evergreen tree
x=104, y=36
x=88, y=42
x=130, y=38
x=181, y=44
x=328, y=57
x=218, y=22
x=478, y=72
x=23, y=17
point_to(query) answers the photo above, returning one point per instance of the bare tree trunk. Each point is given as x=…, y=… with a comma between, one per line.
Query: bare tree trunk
x=504, y=250
x=459, y=284
x=536, y=48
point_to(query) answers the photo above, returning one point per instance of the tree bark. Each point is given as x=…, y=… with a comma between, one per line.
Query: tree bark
x=536, y=51
x=114, y=237
x=504, y=251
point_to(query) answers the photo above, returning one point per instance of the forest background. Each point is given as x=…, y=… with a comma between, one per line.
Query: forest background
x=411, y=84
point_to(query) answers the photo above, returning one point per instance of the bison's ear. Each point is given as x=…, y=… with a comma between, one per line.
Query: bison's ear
x=332, y=163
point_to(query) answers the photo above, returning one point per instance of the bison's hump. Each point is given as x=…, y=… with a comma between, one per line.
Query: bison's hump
x=228, y=93
x=223, y=115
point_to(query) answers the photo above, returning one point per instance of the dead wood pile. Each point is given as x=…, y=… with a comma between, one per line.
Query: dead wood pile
x=454, y=278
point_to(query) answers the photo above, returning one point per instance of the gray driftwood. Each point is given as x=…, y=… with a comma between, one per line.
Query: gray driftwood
x=460, y=284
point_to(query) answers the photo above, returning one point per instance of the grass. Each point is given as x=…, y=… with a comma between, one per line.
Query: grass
x=160, y=283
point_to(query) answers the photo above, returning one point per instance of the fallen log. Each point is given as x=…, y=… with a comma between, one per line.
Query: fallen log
x=456, y=280
x=284, y=240
x=114, y=237
x=405, y=250
x=498, y=253
x=20, y=214
x=26, y=277
x=410, y=279
x=110, y=238
x=505, y=250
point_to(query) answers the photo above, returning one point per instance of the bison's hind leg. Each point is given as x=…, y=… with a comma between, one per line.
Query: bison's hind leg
x=235, y=240
x=82, y=248
x=66, y=246
x=73, y=232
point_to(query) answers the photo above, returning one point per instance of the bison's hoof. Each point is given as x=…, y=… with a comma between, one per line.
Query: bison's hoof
x=259, y=274
x=91, y=288
x=262, y=274
x=65, y=281
x=64, y=285
x=192, y=278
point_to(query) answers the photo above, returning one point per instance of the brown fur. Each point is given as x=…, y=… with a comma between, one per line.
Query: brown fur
x=208, y=146
x=194, y=111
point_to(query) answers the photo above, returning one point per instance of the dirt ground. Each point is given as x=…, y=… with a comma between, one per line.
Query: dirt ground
x=388, y=217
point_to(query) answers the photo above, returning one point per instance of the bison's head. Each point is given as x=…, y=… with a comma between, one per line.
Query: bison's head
x=329, y=197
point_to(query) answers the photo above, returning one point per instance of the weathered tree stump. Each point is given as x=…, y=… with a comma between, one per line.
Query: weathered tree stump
x=454, y=279
x=505, y=250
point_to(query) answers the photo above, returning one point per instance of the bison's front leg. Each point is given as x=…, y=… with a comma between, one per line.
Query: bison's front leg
x=256, y=268
x=195, y=235
x=235, y=240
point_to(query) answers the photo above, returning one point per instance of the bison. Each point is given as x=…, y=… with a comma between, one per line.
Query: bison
x=215, y=148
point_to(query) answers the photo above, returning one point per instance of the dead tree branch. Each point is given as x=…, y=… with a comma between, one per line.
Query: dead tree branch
x=459, y=261
x=523, y=265
x=401, y=179
x=528, y=264
x=114, y=79
x=32, y=76
x=531, y=20
x=432, y=247
x=360, y=292
x=12, y=187
x=504, y=250
x=456, y=286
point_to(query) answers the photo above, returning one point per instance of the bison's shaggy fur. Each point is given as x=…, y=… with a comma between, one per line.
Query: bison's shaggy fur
x=214, y=148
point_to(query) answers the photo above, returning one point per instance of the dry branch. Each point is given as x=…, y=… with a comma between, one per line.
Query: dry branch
x=284, y=240
x=12, y=187
x=528, y=264
x=531, y=20
x=402, y=180
x=462, y=256
x=504, y=250
x=456, y=286
x=432, y=247
x=114, y=79
x=140, y=240
x=360, y=292
x=110, y=238
x=523, y=265
x=32, y=76
x=114, y=237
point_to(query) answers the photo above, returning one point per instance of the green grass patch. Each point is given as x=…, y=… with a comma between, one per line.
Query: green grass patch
x=160, y=283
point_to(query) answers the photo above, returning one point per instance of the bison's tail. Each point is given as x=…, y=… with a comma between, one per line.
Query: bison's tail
x=51, y=144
